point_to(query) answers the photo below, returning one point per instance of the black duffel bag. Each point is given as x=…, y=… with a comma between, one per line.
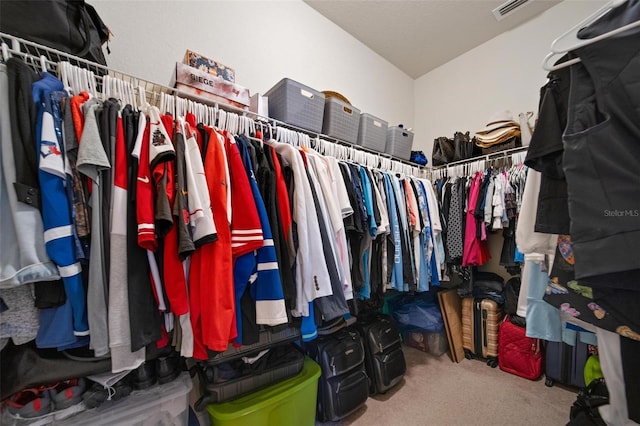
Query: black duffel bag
x=71, y=26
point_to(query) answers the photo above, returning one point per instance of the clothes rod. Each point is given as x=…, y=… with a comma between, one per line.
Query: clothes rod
x=487, y=157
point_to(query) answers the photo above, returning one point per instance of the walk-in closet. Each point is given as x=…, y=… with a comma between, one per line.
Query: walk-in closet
x=320, y=212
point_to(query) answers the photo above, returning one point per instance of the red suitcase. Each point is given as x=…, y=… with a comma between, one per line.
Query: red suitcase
x=517, y=353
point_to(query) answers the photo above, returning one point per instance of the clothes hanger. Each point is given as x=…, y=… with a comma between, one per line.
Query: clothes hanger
x=128, y=92
x=222, y=119
x=106, y=86
x=86, y=78
x=211, y=116
x=569, y=40
x=118, y=86
x=240, y=126
x=171, y=105
x=43, y=63
x=63, y=71
x=142, y=99
x=115, y=89
x=230, y=119
x=132, y=95
x=93, y=84
x=5, y=52
x=82, y=81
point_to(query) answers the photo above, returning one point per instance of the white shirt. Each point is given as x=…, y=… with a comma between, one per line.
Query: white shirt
x=312, y=277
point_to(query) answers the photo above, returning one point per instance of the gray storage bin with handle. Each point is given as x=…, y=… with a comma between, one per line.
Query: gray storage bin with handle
x=399, y=142
x=341, y=120
x=372, y=132
x=296, y=104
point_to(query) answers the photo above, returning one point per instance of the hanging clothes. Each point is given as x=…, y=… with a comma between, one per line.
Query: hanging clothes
x=56, y=212
x=211, y=271
x=476, y=251
x=144, y=316
x=602, y=177
x=182, y=228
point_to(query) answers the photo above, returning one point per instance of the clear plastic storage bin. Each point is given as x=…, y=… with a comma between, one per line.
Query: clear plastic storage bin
x=433, y=343
x=296, y=104
x=341, y=120
x=372, y=132
x=166, y=404
x=399, y=142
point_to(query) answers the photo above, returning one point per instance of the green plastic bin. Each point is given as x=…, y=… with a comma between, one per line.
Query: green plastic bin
x=290, y=402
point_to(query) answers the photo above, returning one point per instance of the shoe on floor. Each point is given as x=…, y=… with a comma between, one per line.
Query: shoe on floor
x=168, y=368
x=97, y=394
x=144, y=376
x=68, y=393
x=30, y=403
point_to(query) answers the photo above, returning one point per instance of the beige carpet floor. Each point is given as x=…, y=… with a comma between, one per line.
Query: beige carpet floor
x=437, y=391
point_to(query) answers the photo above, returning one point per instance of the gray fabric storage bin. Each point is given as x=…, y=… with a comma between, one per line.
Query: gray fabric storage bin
x=399, y=142
x=372, y=132
x=296, y=104
x=341, y=120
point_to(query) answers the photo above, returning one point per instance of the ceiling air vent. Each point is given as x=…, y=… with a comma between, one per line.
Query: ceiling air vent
x=508, y=8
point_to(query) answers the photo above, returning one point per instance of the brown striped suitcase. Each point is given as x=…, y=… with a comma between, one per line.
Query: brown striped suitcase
x=480, y=325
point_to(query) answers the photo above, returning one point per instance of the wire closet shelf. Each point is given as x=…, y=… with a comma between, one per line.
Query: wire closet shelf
x=43, y=57
x=480, y=163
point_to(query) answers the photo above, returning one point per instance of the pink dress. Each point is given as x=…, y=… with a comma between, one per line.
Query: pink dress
x=476, y=251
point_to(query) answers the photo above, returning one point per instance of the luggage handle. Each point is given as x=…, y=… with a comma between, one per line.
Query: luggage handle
x=535, y=346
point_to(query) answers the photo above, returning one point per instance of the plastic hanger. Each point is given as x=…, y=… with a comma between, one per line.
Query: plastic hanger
x=222, y=119
x=162, y=101
x=93, y=84
x=133, y=101
x=5, y=52
x=179, y=108
x=43, y=63
x=212, y=116
x=85, y=80
x=142, y=98
x=118, y=89
x=15, y=45
x=106, y=86
x=63, y=70
x=570, y=41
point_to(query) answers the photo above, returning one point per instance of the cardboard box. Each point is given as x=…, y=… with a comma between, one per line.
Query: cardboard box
x=192, y=81
x=208, y=65
x=451, y=307
x=259, y=105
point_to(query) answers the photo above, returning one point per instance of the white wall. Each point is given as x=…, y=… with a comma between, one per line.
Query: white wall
x=263, y=41
x=503, y=73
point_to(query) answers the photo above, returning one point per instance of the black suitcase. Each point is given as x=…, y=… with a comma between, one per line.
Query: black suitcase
x=343, y=386
x=224, y=377
x=234, y=379
x=384, y=359
x=565, y=363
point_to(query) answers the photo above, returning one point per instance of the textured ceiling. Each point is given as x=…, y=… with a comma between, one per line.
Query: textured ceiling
x=418, y=36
